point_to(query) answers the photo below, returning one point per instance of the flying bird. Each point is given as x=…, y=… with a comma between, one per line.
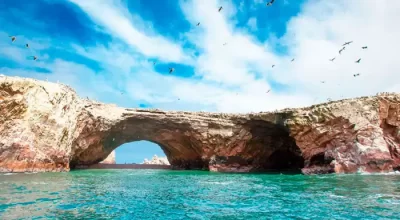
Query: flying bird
x=340, y=51
x=365, y=47
x=270, y=3
x=268, y=90
x=224, y=44
x=171, y=70
x=322, y=81
x=332, y=59
x=355, y=75
x=27, y=45
x=220, y=8
x=292, y=60
x=198, y=24
x=273, y=66
x=34, y=57
x=347, y=43
x=13, y=38
x=358, y=61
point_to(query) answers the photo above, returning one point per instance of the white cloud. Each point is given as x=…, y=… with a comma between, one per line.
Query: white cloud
x=114, y=57
x=252, y=23
x=234, y=77
x=316, y=35
x=312, y=38
x=243, y=63
x=112, y=16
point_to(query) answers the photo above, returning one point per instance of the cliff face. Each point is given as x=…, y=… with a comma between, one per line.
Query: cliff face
x=47, y=127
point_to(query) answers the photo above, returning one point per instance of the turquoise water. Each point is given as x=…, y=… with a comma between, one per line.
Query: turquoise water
x=161, y=194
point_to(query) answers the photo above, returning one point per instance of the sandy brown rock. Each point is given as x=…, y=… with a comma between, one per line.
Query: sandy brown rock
x=47, y=127
x=110, y=158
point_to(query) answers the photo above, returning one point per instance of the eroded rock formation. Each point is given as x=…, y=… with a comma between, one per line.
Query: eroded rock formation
x=46, y=127
x=110, y=159
x=157, y=161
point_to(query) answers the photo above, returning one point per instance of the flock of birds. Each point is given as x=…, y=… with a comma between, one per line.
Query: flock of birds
x=171, y=69
x=340, y=52
x=14, y=38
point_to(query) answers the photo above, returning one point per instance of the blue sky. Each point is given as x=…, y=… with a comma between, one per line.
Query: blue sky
x=103, y=48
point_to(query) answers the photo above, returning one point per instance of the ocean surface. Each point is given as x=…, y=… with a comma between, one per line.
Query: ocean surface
x=165, y=194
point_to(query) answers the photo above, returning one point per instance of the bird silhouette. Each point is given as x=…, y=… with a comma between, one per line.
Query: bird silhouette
x=340, y=51
x=270, y=3
x=365, y=47
x=355, y=75
x=13, y=38
x=171, y=70
x=27, y=45
x=220, y=8
x=347, y=43
x=34, y=57
x=273, y=66
x=198, y=24
x=292, y=60
x=358, y=61
x=268, y=90
x=332, y=59
x=322, y=81
x=224, y=44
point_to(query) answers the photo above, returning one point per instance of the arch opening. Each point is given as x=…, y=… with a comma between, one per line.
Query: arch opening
x=138, y=151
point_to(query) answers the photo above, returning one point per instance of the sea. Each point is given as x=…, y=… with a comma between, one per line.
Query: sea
x=167, y=194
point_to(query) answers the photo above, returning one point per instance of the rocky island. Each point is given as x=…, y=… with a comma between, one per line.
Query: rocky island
x=46, y=126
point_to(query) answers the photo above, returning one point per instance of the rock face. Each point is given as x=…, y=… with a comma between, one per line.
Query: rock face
x=157, y=161
x=47, y=127
x=110, y=159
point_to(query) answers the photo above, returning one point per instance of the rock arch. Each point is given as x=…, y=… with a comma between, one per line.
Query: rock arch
x=190, y=141
x=46, y=127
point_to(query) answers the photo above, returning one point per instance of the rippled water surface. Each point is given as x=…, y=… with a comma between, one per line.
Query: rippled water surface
x=160, y=194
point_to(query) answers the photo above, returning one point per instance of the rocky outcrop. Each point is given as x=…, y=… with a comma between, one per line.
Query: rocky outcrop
x=156, y=161
x=110, y=159
x=47, y=127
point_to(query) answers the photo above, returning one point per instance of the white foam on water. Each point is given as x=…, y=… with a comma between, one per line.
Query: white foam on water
x=218, y=183
x=384, y=174
x=335, y=196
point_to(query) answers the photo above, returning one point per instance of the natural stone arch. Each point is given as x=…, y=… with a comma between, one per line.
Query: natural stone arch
x=47, y=127
x=186, y=145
